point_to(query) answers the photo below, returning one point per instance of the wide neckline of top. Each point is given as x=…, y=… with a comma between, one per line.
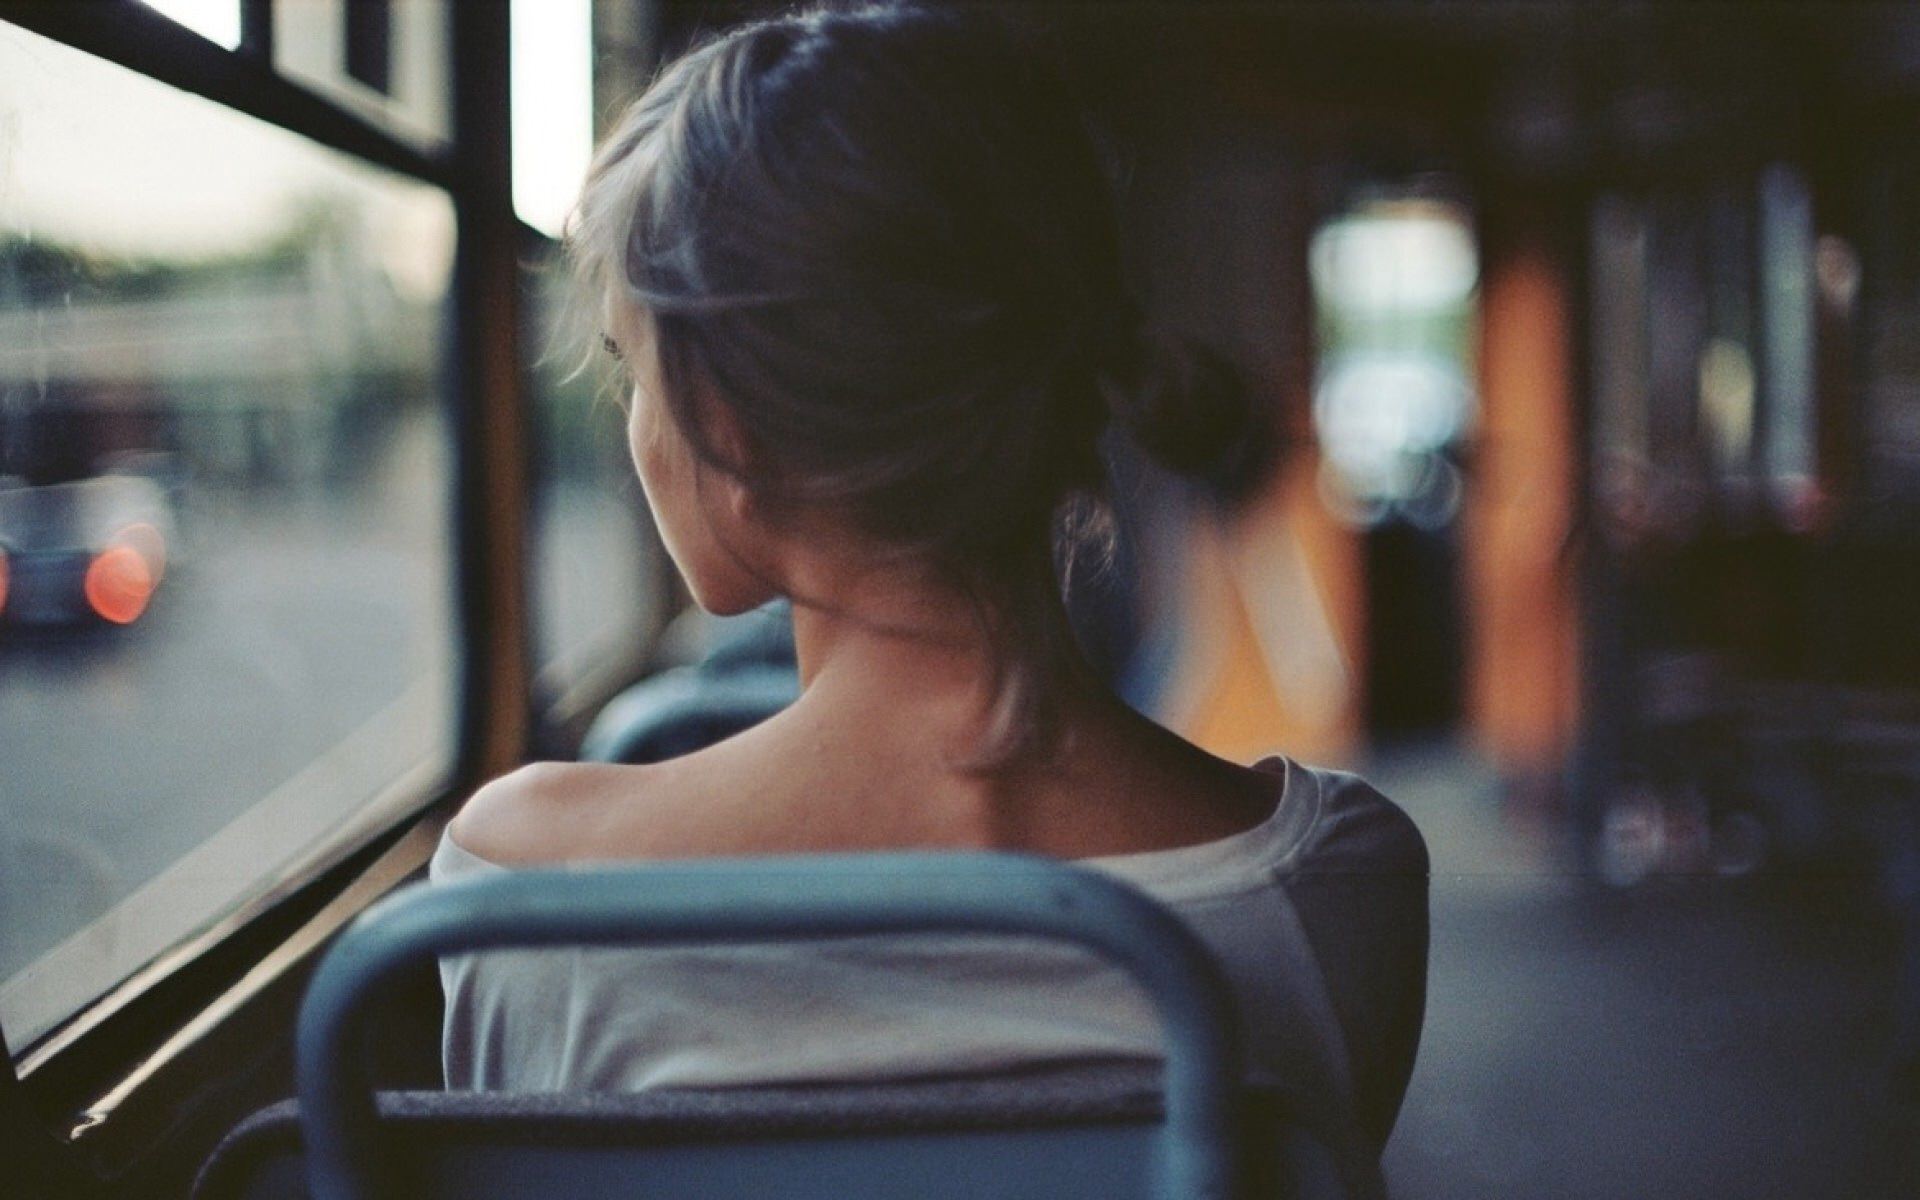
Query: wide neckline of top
x=1222, y=865
x=1228, y=864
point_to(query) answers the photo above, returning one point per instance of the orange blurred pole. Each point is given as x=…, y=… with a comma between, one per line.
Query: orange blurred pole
x=1522, y=620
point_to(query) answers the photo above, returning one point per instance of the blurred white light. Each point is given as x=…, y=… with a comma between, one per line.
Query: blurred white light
x=1727, y=402
x=552, y=120
x=1395, y=260
x=216, y=20
x=1377, y=415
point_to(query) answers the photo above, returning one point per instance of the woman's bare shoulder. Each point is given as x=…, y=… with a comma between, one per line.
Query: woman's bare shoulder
x=542, y=812
x=552, y=812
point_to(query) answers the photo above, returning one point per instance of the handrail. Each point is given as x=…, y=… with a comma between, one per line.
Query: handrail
x=730, y=900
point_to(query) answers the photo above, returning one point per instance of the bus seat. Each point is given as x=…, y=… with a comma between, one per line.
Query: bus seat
x=746, y=674
x=1071, y=1131
x=1177, y=1130
x=682, y=710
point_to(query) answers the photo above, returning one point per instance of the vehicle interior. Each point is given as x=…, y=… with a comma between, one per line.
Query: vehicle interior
x=1581, y=514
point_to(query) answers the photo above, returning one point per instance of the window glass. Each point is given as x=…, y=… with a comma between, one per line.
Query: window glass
x=552, y=99
x=226, y=626
x=385, y=61
x=598, y=581
x=597, y=573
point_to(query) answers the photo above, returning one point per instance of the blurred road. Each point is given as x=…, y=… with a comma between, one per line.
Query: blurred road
x=1694, y=1038
x=283, y=628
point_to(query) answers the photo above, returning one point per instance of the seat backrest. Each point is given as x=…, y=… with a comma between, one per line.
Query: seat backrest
x=1085, y=1130
x=747, y=674
x=1101, y=1137
x=678, y=711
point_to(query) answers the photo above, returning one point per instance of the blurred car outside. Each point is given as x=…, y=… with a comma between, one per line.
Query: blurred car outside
x=85, y=551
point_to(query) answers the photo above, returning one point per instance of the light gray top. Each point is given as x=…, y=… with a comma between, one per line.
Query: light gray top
x=893, y=1007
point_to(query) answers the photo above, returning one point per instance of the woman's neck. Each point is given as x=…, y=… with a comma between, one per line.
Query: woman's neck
x=893, y=634
x=909, y=649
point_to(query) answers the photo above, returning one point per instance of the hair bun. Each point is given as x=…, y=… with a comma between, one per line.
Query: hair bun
x=1183, y=403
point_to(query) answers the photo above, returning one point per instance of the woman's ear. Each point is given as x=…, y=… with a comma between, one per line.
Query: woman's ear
x=739, y=455
x=741, y=506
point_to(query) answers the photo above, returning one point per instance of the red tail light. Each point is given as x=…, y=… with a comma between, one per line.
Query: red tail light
x=119, y=584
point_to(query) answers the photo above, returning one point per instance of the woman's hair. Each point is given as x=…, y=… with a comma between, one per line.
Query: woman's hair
x=884, y=239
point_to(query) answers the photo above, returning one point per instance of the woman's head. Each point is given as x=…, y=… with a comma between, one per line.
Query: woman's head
x=872, y=258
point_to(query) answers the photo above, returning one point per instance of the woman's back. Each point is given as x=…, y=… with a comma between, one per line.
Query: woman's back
x=880, y=1008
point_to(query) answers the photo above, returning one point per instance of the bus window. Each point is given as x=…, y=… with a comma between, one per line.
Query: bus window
x=227, y=646
x=383, y=61
x=598, y=579
x=1393, y=278
x=597, y=574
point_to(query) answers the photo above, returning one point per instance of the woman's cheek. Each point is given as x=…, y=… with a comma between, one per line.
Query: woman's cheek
x=643, y=444
x=637, y=434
